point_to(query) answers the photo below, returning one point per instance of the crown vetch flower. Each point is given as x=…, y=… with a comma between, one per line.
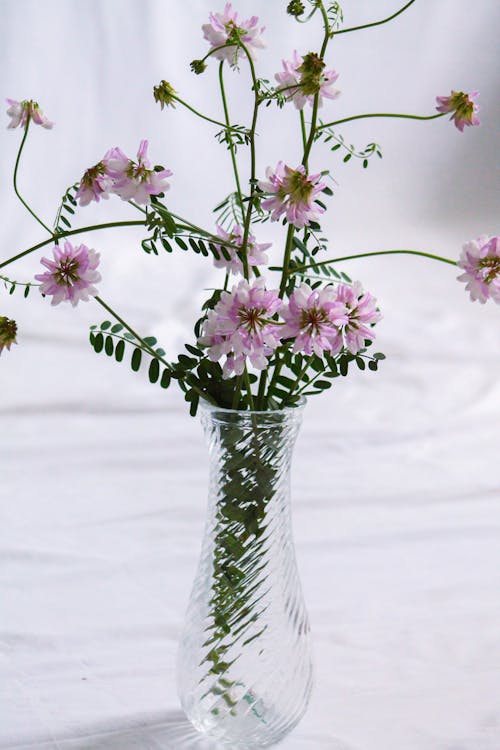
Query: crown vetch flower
x=294, y=194
x=20, y=111
x=304, y=77
x=164, y=93
x=362, y=314
x=8, y=332
x=462, y=106
x=135, y=180
x=240, y=327
x=314, y=318
x=95, y=184
x=256, y=255
x=480, y=260
x=224, y=28
x=71, y=275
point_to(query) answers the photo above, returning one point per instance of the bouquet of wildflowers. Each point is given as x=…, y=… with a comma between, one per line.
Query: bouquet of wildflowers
x=268, y=335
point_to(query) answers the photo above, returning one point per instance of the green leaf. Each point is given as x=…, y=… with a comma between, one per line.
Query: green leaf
x=193, y=350
x=373, y=365
x=154, y=371
x=347, y=157
x=343, y=365
x=322, y=385
x=98, y=342
x=360, y=363
x=378, y=355
x=181, y=243
x=109, y=346
x=105, y=325
x=165, y=379
x=116, y=328
x=27, y=291
x=135, y=362
x=150, y=340
x=120, y=350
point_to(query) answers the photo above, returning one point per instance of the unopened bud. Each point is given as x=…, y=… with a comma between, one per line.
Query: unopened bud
x=198, y=66
x=165, y=94
x=8, y=332
x=295, y=8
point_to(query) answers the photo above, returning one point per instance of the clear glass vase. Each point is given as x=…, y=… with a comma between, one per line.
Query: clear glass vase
x=244, y=664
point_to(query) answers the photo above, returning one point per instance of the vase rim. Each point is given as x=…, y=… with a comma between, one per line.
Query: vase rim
x=206, y=405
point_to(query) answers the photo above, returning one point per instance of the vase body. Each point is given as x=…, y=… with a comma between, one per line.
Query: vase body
x=244, y=665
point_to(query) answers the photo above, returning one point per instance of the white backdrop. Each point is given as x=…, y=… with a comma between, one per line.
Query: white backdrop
x=396, y=483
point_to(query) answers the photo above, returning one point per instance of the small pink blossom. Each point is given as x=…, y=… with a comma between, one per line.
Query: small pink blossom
x=362, y=314
x=294, y=193
x=8, y=333
x=135, y=180
x=71, y=274
x=304, y=77
x=462, y=106
x=314, y=318
x=95, y=184
x=240, y=327
x=224, y=28
x=256, y=255
x=480, y=260
x=19, y=112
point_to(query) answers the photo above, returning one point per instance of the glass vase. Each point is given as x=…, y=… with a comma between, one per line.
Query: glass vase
x=244, y=665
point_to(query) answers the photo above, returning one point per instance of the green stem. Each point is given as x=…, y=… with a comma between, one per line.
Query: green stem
x=261, y=391
x=299, y=378
x=230, y=141
x=313, y=130
x=380, y=114
x=205, y=117
x=368, y=255
x=237, y=392
x=303, y=129
x=286, y=259
x=16, y=167
x=376, y=23
x=69, y=233
x=248, y=389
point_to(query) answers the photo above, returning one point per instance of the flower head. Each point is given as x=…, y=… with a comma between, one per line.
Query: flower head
x=71, y=275
x=240, y=327
x=304, y=77
x=256, y=255
x=224, y=28
x=295, y=8
x=8, y=332
x=95, y=184
x=480, y=260
x=19, y=112
x=294, y=192
x=314, y=318
x=135, y=180
x=462, y=106
x=165, y=94
x=362, y=314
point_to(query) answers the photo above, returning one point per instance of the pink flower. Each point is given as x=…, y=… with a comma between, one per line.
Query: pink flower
x=480, y=260
x=314, y=318
x=362, y=314
x=95, y=184
x=255, y=252
x=462, y=107
x=71, y=274
x=225, y=29
x=135, y=180
x=8, y=332
x=304, y=77
x=294, y=193
x=19, y=112
x=240, y=326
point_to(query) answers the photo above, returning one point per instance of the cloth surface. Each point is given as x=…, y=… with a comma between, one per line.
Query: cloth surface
x=395, y=475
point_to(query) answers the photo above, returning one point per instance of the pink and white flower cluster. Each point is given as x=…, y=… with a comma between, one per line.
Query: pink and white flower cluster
x=304, y=77
x=240, y=327
x=243, y=323
x=480, y=260
x=224, y=28
x=255, y=252
x=118, y=174
x=329, y=319
x=293, y=194
x=19, y=112
x=71, y=274
x=462, y=106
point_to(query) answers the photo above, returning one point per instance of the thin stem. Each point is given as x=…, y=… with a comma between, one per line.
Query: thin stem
x=303, y=129
x=380, y=114
x=376, y=23
x=314, y=117
x=16, y=167
x=368, y=255
x=205, y=117
x=70, y=232
x=286, y=259
x=230, y=141
x=237, y=392
x=299, y=378
x=262, y=388
x=248, y=389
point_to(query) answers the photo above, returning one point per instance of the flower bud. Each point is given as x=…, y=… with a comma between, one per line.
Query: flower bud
x=295, y=8
x=198, y=66
x=164, y=93
x=8, y=331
